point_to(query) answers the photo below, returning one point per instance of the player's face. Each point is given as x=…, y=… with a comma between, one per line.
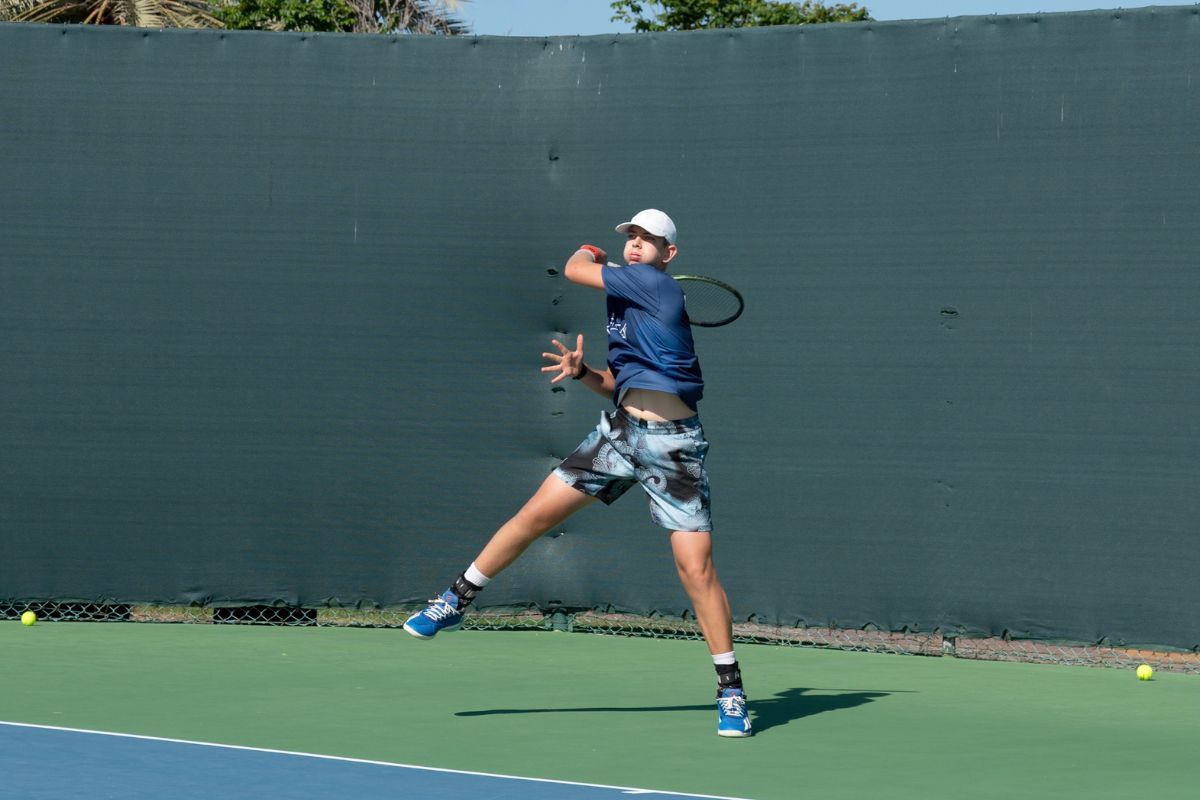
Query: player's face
x=645, y=248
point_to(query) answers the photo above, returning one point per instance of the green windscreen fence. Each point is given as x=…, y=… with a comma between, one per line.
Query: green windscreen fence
x=272, y=309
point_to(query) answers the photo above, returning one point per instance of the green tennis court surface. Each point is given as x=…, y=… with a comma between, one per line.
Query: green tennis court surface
x=618, y=712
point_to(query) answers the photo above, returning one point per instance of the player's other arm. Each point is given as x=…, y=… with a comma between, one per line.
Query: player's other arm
x=570, y=364
x=600, y=381
x=585, y=267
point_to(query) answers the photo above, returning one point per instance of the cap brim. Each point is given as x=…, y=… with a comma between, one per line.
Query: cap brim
x=625, y=226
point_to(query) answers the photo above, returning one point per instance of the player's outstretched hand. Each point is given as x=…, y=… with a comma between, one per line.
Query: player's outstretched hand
x=567, y=362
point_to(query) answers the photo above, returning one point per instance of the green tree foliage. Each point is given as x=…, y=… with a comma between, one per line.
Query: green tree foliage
x=688, y=15
x=286, y=15
x=349, y=16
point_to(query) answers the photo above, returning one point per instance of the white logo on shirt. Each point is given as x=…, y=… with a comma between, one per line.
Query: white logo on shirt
x=615, y=327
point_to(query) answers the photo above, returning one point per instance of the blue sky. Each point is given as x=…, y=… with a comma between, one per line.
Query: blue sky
x=584, y=17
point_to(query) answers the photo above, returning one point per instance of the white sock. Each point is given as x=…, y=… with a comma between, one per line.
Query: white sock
x=476, y=577
x=725, y=658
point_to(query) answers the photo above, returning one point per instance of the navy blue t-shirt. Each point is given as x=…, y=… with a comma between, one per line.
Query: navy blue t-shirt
x=649, y=336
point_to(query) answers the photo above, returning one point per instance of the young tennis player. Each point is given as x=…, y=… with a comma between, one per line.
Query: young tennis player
x=652, y=438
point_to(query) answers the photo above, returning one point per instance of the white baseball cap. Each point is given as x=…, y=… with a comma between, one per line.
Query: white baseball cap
x=651, y=221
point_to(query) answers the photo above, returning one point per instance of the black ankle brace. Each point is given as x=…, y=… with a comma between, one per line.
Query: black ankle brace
x=465, y=590
x=729, y=676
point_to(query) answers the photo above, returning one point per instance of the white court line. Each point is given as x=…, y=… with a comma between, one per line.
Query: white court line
x=623, y=789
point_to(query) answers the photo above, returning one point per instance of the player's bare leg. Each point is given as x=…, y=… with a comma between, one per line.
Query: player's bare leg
x=693, y=559
x=552, y=503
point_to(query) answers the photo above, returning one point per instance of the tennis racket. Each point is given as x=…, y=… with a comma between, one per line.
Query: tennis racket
x=710, y=303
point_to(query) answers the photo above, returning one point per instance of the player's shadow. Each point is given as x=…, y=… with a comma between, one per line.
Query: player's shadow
x=765, y=713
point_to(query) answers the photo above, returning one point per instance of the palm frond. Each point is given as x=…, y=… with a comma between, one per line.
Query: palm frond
x=145, y=13
x=11, y=10
x=407, y=16
x=138, y=13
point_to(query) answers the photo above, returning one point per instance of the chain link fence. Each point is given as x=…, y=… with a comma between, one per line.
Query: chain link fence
x=867, y=640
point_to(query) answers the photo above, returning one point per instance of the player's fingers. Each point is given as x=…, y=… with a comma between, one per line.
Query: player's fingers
x=560, y=346
x=579, y=343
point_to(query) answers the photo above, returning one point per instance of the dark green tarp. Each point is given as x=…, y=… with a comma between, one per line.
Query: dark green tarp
x=272, y=308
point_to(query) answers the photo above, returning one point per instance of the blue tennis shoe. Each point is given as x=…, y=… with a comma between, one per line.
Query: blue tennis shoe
x=441, y=614
x=732, y=716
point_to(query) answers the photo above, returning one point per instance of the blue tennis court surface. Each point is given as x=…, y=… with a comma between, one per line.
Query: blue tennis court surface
x=45, y=762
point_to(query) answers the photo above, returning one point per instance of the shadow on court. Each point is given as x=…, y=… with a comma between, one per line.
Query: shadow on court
x=765, y=713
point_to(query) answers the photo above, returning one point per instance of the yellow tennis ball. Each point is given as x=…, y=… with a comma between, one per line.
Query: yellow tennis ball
x=1145, y=672
x=28, y=618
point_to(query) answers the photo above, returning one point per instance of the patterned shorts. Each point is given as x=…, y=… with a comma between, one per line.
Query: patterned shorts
x=666, y=458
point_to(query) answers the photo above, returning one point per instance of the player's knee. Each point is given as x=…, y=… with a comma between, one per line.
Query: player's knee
x=696, y=571
x=539, y=516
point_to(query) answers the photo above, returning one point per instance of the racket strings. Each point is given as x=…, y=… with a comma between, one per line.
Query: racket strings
x=708, y=302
